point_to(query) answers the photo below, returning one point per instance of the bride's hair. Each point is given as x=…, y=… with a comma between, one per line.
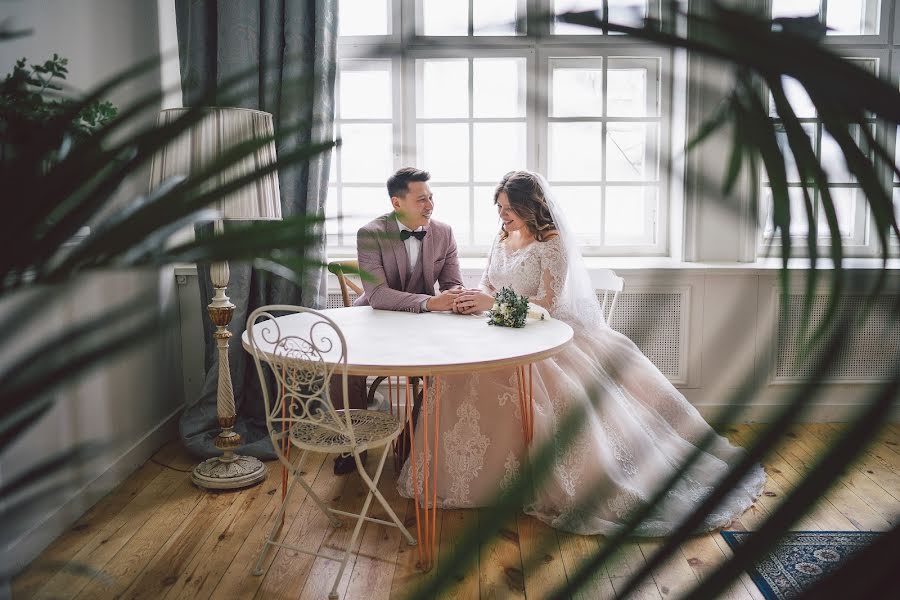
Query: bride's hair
x=526, y=199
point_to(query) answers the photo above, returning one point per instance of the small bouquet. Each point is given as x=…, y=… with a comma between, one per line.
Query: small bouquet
x=511, y=309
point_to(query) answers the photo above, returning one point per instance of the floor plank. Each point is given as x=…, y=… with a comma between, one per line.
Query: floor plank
x=157, y=536
x=500, y=562
x=576, y=550
x=86, y=531
x=373, y=571
x=541, y=557
x=464, y=582
x=238, y=580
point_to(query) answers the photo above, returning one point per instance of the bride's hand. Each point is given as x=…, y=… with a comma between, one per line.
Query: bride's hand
x=472, y=301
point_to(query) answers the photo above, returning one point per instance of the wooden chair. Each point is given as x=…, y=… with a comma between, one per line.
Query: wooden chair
x=611, y=285
x=301, y=415
x=342, y=268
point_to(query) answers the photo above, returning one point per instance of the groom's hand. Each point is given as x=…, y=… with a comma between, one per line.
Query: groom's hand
x=472, y=301
x=443, y=301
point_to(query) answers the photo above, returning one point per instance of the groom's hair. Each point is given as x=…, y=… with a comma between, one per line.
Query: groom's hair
x=398, y=183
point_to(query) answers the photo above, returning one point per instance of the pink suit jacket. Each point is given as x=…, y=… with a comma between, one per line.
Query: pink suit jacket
x=382, y=254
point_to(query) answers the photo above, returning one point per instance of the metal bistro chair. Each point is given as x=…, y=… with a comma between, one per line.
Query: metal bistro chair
x=611, y=285
x=301, y=415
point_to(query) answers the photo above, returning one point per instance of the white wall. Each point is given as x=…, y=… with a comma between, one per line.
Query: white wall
x=131, y=401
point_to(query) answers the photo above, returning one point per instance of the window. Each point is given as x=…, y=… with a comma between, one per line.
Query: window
x=474, y=95
x=859, y=30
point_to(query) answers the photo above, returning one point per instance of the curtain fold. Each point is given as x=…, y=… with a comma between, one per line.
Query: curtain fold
x=289, y=47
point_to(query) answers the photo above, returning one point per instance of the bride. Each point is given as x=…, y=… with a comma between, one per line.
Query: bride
x=636, y=431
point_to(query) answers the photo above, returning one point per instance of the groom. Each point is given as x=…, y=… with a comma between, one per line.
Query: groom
x=406, y=253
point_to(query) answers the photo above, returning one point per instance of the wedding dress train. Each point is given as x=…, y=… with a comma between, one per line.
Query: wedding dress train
x=636, y=429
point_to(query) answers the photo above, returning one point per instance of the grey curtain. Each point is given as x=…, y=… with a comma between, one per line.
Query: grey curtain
x=289, y=48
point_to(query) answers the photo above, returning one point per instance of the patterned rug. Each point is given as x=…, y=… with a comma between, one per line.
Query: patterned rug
x=800, y=559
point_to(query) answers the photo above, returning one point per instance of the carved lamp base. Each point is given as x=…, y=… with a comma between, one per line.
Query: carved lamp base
x=228, y=473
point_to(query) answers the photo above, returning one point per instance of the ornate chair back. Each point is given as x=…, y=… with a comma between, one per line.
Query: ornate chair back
x=300, y=351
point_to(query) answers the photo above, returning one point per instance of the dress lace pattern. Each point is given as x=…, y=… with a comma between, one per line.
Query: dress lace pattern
x=634, y=429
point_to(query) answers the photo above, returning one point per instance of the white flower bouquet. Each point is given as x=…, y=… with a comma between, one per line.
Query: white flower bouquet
x=511, y=310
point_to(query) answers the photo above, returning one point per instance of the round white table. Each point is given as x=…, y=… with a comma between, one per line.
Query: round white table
x=428, y=345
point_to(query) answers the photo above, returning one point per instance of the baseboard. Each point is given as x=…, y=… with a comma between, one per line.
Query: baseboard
x=34, y=541
x=817, y=413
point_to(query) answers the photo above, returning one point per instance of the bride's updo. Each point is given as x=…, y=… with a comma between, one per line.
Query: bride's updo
x=526, y=198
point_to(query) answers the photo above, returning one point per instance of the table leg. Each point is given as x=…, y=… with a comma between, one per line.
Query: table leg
x=526, y=401
x=426, y=504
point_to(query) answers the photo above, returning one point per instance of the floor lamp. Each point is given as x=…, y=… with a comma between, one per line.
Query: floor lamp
x=219, y=130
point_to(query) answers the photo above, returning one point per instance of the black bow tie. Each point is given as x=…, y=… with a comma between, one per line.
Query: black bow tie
x=406, y=233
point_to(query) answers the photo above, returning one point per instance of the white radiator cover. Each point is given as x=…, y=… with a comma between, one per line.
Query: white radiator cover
x=872, y=354
x=656, y=321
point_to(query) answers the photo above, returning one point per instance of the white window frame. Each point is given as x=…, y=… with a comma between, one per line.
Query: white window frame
x=537, y=50
x=884, y=47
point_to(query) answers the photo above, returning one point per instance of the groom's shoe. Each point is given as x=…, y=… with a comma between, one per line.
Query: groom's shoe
x=344, y=464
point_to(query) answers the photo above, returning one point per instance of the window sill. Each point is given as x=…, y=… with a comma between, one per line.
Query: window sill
x=662, y=263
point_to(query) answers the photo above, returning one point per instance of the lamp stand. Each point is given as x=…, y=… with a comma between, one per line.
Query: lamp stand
x=229, y=471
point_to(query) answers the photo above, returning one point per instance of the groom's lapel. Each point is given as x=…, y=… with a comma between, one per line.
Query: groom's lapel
x=428, y=257
x=398, y=246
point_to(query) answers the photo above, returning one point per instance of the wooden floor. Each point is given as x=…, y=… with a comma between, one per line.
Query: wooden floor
x=157, y=536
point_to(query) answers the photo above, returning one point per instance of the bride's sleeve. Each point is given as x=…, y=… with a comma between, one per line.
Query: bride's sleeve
x=553, y=275
x=485, y=283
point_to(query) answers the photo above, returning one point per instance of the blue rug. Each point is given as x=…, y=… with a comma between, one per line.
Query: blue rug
x=801, y=559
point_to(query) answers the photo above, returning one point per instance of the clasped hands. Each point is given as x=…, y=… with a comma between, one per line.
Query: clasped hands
x=464, y=301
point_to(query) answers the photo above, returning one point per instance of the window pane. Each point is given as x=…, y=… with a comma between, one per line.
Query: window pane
x=499, y=148
x=361, y=205
x=445, y=17
x=487, y=221
x=363, y=17
x=853, y=17
x=631, y=151
x=575, y=152
x=497, y=17
x=581, y=205
x=794, y=8
x=793, y=175
x=499, y=85
x=451, y=206
x=833, y=160
x=896, y=208
x=627, y=12
x=799, y=218
x=562, y=6
x=366, y=93
x=629, y=215
x=844, y=201
x=443, y=150
x=331, y=215
x=627, y=92
x=797, y=97
x=366, y=152
x=445, y=87
x=576, y=92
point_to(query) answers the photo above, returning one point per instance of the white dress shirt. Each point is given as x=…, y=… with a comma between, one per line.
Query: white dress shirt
x=413, y=250
x=413, y=245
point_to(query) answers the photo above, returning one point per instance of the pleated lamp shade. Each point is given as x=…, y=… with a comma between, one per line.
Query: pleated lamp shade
x=219, y=130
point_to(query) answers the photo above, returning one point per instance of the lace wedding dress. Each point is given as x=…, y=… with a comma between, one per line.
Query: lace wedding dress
x=636, y=431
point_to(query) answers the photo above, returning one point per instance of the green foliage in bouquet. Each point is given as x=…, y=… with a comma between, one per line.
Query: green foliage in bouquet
x=33, y=94
x=510, y=309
